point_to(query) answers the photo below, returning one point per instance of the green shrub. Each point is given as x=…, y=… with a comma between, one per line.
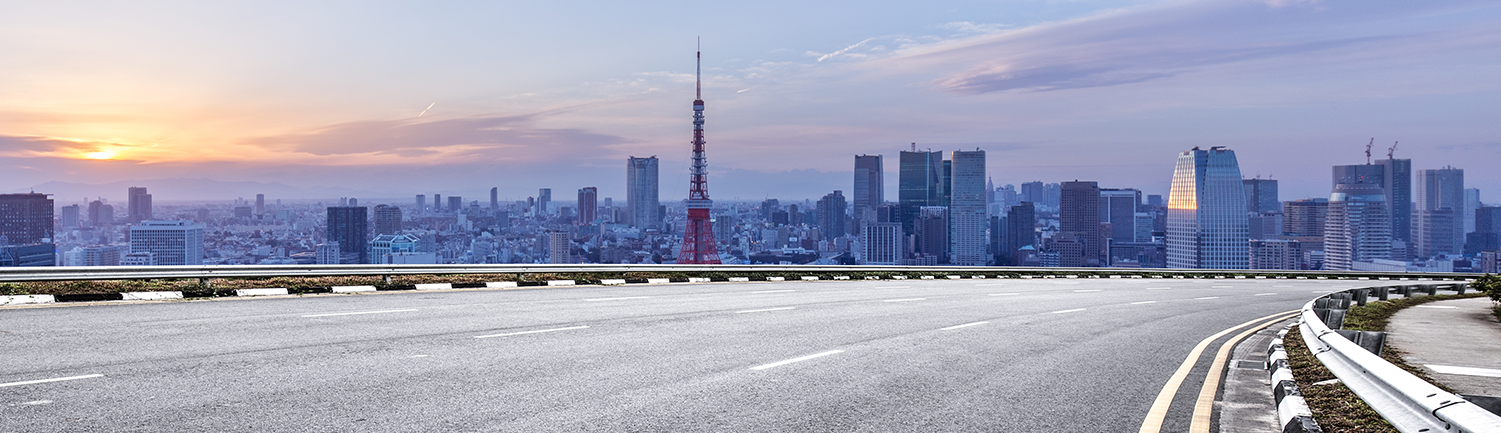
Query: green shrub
x=1490, y=285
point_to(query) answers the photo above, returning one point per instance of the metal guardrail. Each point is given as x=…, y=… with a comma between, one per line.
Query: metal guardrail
x=83, y=273
x=1409, y=403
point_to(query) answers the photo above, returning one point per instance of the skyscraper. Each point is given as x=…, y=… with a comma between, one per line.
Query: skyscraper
x=1207, y=226
x=25, y=218
x=869, y=187
x=347, y=225
x=558, y=248
x=421, y=203
x=699, y=247
x=1119, y=207
x=494, y=198
x=1438, y=190
x=932, y=233
x=831, y=210
x=1358, y=228
x=919, y=176
x=1261, y=195
x=1472, y=202
x=588, y=205
x=544, y=198
x=260, y=205
x=967, y=213
x=455, y=204
x=138, y=208
x=68, y=218
x=172, y=242
x=1397, y=182
x=641, y=192
x=387, y=220
x=1034, y=192
x=437, y=202
x=1021, y=228
x=1079, y=214
x=881, y=243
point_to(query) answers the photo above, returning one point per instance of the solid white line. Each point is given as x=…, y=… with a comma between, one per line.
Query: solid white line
x=905, y=300
x=361, y=312
x=798, y=359
x=615, y=299
x=765, y=309
x=1264, y=294
x=1437, y=306
x=1003, y=294
x=774, y=291
x=1157, y=288
x=1283, y=287
x=1086, y=291
x=532, y=332
x=1222, y=287
x=1068, y=311
x=966, y=325
x=59, y=379
x=1143, y=302
x=892, y=287
x=1467, y=371
x=1206, y=297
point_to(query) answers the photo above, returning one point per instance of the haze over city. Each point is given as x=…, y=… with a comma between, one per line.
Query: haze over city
x=399, y=99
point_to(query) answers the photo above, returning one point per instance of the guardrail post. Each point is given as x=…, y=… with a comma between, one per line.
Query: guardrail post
x=1432, y=289
x=1360, y=296
x=1460, y=288
x=386, y=279
x=204, y=282
x=1383, y=292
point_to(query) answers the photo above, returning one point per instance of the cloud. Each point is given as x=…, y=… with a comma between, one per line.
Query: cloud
x=844, y=50
x=500, y=138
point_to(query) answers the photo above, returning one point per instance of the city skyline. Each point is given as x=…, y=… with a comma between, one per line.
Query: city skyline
x=1123, y=93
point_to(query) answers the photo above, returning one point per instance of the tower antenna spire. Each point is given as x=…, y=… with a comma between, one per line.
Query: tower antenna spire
x=698, y=73
x=698, y=236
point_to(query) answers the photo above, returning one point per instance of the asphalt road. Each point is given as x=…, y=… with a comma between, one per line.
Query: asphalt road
x=1078, y=355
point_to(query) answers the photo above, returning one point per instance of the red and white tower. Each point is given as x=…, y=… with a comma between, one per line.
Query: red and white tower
x=698, y=238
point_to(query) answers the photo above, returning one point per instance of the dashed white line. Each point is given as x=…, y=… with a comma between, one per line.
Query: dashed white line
x=1206, y=297
x=1283, y=287
x=419, y=356
x=1068, y=311
x=1437, y=306
x=765, y=309
x=1467, y=371
x=1157, y=288
x=1143, y=302
x=892, y=287
x=1087, y=291
x=532, y=332
x=966, y=325
x=990, y=285
x=359, y=312
x=56, y=379
x=1002, y=294
x=1222, y=287
x=1264, y=294
x=616, y=299
x=905, y=300
x=773, y=291
x=798, y=359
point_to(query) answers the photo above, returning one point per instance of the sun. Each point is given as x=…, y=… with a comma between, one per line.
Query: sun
x=103, y=154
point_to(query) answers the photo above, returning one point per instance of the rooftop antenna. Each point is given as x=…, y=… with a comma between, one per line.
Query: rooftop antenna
x=1368, y=151
x=1391, y=150
x=914, y=146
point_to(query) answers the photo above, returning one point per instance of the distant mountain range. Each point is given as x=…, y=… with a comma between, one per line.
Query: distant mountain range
x=196, y=189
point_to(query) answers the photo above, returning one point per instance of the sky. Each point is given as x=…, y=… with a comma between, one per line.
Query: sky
x=392, y=99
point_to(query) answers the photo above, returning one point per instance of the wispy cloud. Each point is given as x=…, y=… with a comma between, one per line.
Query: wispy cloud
x=499, y=138
x=843, y=50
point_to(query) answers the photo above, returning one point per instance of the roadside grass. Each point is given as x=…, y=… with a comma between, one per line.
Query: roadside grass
x=1334, y=406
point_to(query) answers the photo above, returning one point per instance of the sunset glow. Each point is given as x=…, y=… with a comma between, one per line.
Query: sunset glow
x=103, y=154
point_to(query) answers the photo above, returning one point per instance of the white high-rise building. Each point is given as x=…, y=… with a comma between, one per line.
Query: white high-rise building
x=172, y=242
x=1207, y=225
x=641, y=199
x=967, y=215
x=1357, y=228
x=558, y=248
x=881, y=244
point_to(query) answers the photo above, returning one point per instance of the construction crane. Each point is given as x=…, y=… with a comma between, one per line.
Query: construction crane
x=1368, y=150
x=1392, y=150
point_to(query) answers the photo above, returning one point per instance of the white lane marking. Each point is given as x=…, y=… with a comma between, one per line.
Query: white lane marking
x=1467, y=371
x=1157, y=288
x=419, y=356
x=1283, y=287
x=36, y=402
x=1264, y=294
x=1086, y=291
x=1068, y=311
x=990, y=285
x=1143, y=302
x=892, y=287
x=774, y=291
x=616, y=299
x=1003, y=294
x=57, y=379
x=1436, y=306
x=966, y=325
x=1322, y=291
x=532, y=332
x=1206, y=297
x=359, y=312
x=765, y=309
x=905, y=300
x=797, y=359
x=1222, y=287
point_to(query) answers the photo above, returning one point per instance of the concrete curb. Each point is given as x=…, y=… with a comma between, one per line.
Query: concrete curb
x=1292, y=411
x=352, y=289
x=261, y=292
x=150, y=296
x=698, y=280
x=435, y=286
x=27, y=299
x=560, y=283
x=611, y=282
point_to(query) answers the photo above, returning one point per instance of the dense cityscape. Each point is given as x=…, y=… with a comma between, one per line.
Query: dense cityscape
x=1379, y=216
